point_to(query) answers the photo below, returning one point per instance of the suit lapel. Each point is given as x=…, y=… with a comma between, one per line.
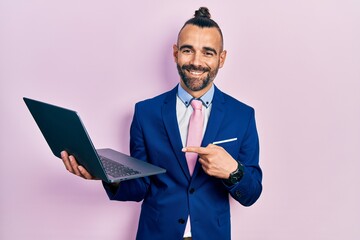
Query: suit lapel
x=172, y=128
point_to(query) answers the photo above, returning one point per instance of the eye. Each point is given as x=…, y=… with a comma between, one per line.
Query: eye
x=209, y=54
x=186, y=51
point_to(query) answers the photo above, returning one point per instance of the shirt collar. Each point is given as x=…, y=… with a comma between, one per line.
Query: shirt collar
x=186, y=98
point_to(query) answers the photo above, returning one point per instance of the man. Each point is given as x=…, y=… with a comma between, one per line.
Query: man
x=191, y=201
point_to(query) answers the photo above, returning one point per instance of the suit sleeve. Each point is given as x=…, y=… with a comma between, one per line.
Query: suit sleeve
x=249, y=188
x=135, y=189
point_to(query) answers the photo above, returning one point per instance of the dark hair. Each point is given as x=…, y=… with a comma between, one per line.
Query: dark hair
x=202, y=19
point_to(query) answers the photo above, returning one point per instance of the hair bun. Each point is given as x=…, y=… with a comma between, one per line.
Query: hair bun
x=202, y=12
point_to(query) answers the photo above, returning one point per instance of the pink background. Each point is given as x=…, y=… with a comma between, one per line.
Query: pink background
x=296, y=62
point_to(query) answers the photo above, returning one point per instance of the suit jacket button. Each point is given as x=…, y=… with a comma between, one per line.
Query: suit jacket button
x=192, y=190
x=237, y=193
x=181, y=221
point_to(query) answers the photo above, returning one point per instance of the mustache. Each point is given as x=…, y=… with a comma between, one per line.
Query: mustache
x=190, y=67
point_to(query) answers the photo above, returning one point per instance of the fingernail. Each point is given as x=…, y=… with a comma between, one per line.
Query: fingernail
x=183, y=149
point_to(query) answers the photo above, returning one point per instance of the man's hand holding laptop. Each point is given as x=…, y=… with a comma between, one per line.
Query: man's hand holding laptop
x=73, y=167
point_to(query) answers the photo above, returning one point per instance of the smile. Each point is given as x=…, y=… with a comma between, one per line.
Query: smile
x=196, y=73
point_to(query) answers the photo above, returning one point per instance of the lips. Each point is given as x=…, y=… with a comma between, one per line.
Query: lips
x=196, y=73
x=194, y=70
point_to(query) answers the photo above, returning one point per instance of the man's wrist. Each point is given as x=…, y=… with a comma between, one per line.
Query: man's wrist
x=113, y=187
x=235, y=176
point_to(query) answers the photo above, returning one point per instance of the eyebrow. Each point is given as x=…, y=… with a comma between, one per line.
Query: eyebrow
x=186, y=46
x=204, y=48
x=210, y=49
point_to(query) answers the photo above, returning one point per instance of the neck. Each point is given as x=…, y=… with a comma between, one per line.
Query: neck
x=196, y=94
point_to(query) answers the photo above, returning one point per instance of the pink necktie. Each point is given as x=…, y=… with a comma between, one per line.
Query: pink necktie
x=194, y=133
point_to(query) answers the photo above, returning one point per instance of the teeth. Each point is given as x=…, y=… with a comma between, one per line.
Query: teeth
x=196, y=73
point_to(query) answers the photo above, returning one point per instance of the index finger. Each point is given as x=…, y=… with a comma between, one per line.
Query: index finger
x=66, y=161
x=198, y=150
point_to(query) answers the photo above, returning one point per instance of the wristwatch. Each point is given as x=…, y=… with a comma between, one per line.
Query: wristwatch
x=235, y=176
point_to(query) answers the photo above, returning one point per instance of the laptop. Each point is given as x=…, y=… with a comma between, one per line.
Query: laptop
x=64, y=130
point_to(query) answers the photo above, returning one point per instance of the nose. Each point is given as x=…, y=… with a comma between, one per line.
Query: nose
x=196, y=59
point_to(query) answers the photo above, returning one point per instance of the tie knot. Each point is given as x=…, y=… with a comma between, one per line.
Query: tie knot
x=196, y=104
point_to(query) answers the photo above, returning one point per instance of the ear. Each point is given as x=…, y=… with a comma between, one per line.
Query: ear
x=175, y=52
x=222, y=58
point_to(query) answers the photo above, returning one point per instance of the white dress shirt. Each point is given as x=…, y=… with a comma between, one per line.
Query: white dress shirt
x=183, y=113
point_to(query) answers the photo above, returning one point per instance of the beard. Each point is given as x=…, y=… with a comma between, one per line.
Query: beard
x=196, y=83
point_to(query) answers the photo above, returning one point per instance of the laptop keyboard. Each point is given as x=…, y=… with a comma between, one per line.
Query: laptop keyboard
x=116, y=169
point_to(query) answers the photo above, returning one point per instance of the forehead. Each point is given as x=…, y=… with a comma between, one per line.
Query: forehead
x=200, y=37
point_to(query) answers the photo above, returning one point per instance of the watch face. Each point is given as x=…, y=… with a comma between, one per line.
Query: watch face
x=235, y=177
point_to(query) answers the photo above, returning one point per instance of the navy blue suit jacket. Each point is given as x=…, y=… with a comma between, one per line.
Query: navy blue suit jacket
x=169, y=198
